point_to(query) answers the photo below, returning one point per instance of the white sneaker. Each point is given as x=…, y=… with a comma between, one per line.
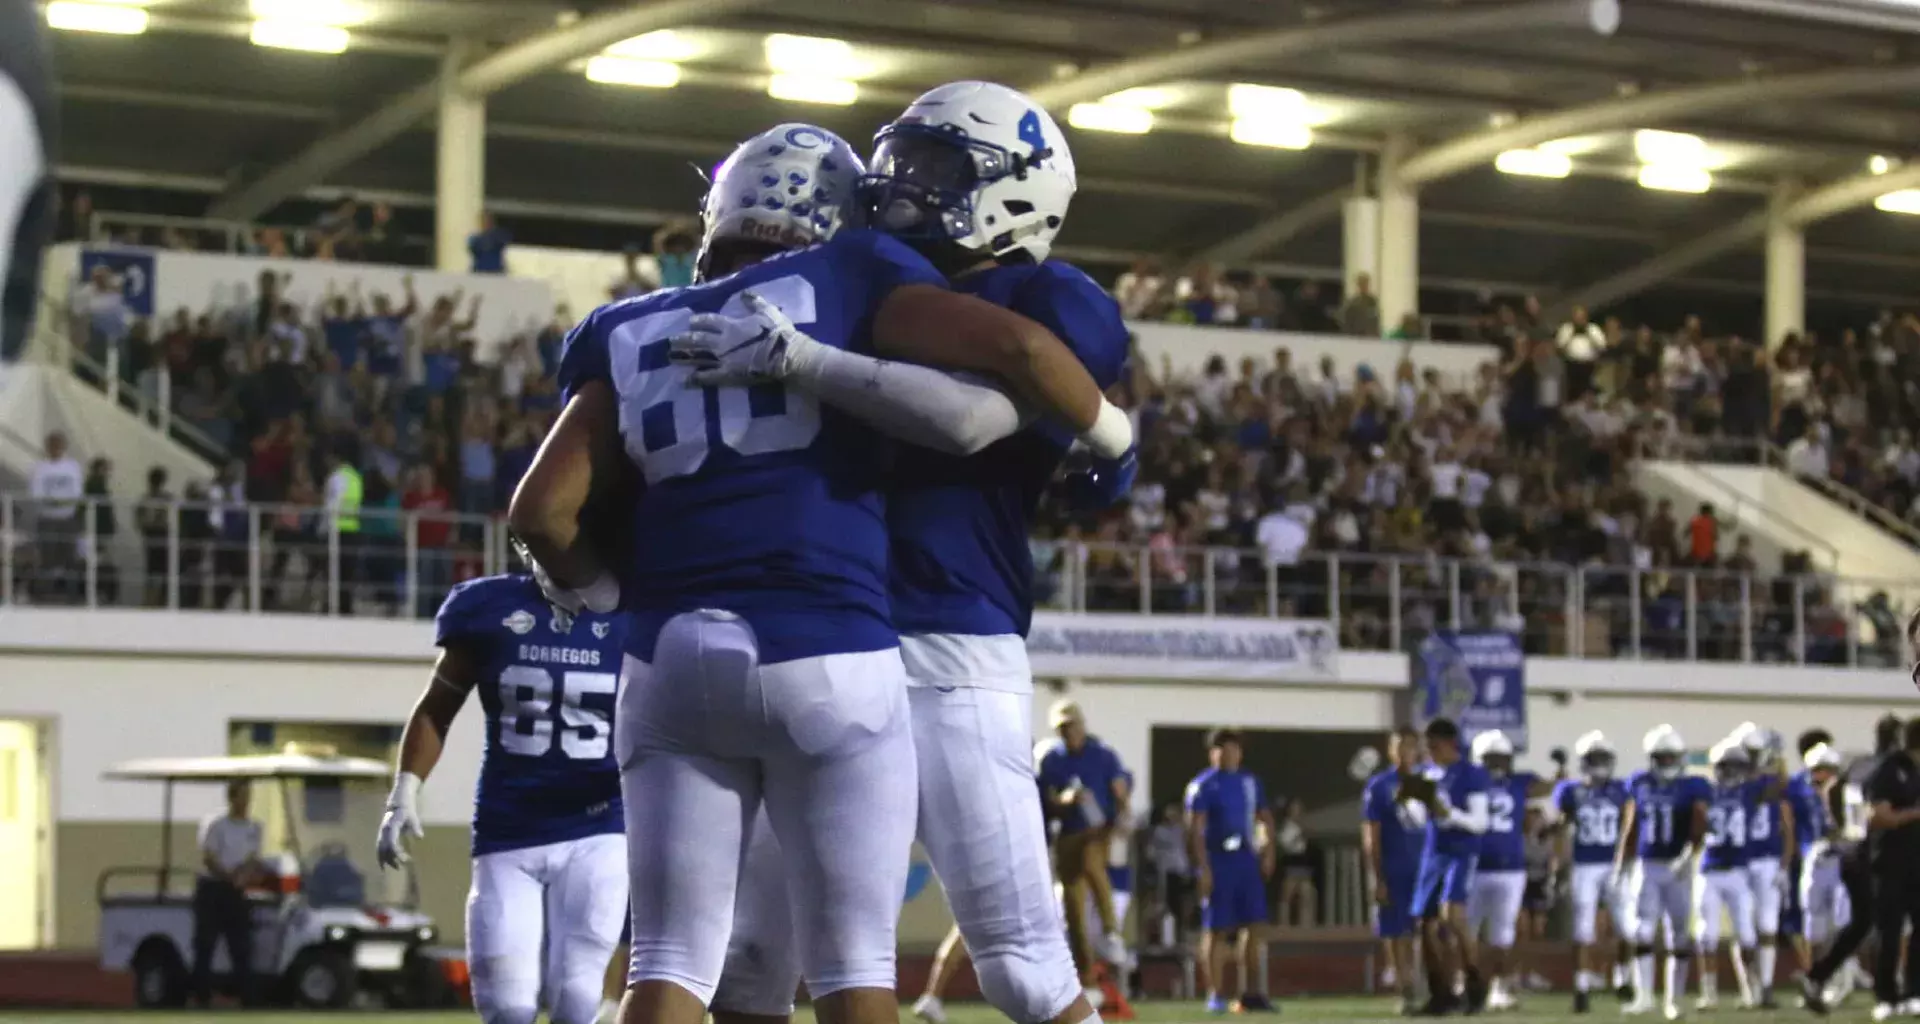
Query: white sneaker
x=1672, y=1011
x=930, y=1009
x=1706, y=1004
x=1885, y=1011
x=1910, y=1008
x=1640, y=1007
x=1500, y=1000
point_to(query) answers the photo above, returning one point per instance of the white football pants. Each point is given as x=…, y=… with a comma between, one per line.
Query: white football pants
x=541, y=924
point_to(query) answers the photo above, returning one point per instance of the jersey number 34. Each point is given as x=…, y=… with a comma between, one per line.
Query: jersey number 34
x=664, y=421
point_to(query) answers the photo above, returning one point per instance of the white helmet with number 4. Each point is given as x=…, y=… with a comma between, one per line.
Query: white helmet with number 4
x=788, y=187
x=974, y=164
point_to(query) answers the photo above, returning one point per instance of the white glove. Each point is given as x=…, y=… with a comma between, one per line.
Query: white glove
x=401, y=820
x=762, y=345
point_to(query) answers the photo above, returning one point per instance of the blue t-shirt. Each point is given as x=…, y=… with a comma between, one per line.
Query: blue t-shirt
x=1095, y=766
x=547, y=774
x=960, y=524
x=1593, y=813
x=1764, y=836
x=387, y=343
x=489, y=249
x=758, y=500
x=1403, y=828
x=1727, y=822
x=1809, y=811
x=1232, y=802
x=1456, y=782
x=1503, y=847
x=343, y=338
x=1664, y=810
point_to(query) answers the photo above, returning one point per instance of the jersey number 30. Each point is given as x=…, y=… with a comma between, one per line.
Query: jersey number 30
x=527, y=718
x=664, y=421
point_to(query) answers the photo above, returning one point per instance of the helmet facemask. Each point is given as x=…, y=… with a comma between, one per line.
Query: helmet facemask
x=925, y=185
x=1667, y=764
x=1597, y=765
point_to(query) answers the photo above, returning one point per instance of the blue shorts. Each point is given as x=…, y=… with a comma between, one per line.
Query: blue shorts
x=1239, y=896
x=1444, y=878
x=1395, y=918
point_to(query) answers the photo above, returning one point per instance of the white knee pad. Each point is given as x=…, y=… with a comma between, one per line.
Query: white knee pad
x=1026, y=989
x=762, y=972
x=506, y=989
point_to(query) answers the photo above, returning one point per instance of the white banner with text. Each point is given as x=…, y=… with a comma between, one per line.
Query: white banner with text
x=1170, y=647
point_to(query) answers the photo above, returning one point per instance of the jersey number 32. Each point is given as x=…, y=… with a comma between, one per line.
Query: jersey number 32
x=664, y=421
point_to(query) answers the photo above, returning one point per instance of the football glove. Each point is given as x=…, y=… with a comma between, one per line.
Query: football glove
x=1103, y=482
x=760, y=345
x=401, y=820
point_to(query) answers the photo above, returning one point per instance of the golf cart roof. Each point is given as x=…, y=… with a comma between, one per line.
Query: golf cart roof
x=257, y=766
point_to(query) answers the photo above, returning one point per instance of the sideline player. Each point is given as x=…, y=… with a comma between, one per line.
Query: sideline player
x=1660, y=836
x=1590, y=808
x=1722, y=883
x=1391, y=831
x=1500, y=873
x=1454, y=792
x=1772, y=822
x=549, y=858
x=1226, y=805
x=762, y=658
x=1810, y=825
x=977, y=178
x=27, y=194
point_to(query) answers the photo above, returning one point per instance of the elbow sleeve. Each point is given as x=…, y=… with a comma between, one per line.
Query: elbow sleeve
x=1474, y=817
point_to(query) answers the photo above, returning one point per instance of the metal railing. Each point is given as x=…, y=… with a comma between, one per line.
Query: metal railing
x=396, y=564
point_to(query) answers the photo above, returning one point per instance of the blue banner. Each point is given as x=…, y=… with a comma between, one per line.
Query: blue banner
x=1477, y=679
x=134, y=269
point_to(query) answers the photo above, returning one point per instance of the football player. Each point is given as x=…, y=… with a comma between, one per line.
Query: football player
x=1590, y=809
x=1823, y=896
x=1722, y=883
x=549, y=886
x=763, y=659
x=1810, y=825
x=1226, y=806
x=27, y=195
x=1454, y=794
x=1771, y=822
x=1391, y=832
x=977, y=178
x=1660, y=836
x=1500, y=874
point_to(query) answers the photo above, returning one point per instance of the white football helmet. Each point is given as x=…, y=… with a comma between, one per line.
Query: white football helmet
x=976, y=164
x=1596, y=756
x=1764, y=745
x=1666, y=750
x=788, y=187
x=1731, y=761
x=1493, y=751
x=1822, y=757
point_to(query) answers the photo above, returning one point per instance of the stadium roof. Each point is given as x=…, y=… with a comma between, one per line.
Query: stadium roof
x=1774, y=97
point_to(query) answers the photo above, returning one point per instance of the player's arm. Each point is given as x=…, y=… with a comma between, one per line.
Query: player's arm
x=544, y=514
x=1270, y=853
x=421, y=742
x=1540, y=788
x=1696, y=836
x=1624, y=852
x=1197, y=848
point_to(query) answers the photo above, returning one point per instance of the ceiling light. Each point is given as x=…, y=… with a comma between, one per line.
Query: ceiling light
x=665, y=44
x=318, y=12
x=837, y=92
x=1145, y=97
x=1907, y=201
x=1253, y=131
x=647, y=74
x=1534, y=163
x=1102, y=117
x=1653, y=146
x=1266, y=101
x=808, y=55
x=300, y=35
x=1675, y=178
x=83, y=17
x=1878, y=164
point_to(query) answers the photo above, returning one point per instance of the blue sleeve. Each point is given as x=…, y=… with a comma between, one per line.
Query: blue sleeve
x=583, y=358
x=1474, y=780
x=466, y=611
x=1370, y=809
x=1049, y=773
x=1110, y=763
x=1067, y=302
x=1563, y=797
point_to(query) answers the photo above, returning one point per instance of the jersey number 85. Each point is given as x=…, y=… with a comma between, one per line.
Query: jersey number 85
x=527, y=718
x=664, y=420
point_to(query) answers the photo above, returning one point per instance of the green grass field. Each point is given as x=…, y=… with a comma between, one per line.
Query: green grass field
x=1547, y=1009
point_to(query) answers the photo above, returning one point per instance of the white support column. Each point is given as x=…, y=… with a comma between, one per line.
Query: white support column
x=461, y=182
x=1786, y=270
x=1360, y=240
x=1399, y=252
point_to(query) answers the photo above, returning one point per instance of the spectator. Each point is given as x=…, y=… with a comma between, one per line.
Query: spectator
x=1298, y=898
x=56, y=486
x=1581, y=343
x=1807, y=456
x=673, y=250
x=1408, y=329
x=489, y=246
x=345, y=492
x=1138, y=290
x=1203, y=297
x=1360, y=314
x=229, y=862
x=631, y=283
x=1167, y=853
x=1085, y=785
x=105, y=525
x=1703, y=537
x=1309, y=311
x=154, y=518
x=101, y=308
x=433, y=536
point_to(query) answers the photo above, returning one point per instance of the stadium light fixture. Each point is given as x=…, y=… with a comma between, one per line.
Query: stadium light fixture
x=1675, y=178
x=315, y=12
x=1253, y=131
x=1247, y=101
x=304, y=36
x=662, y=45
x=1906, y=201
x=799, y=88
x=1878, y=164
x=645, y=74
x=1534, y=163
x=1653, y=146
x=1106, y=117
x=112, y=19
x=1144, y=97
x=808, y=55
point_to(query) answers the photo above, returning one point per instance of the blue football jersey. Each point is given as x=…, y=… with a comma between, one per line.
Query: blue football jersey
x=1456, y=783
x=960, y=525
x=1727, y=823
x=1503, y=847
x=1664, y=810
x=1232, y=802
x=1809, y=811
x=1764, y=836
x=1593, y=813
x=547, y=774
x=758, y=500
x=1403, y=827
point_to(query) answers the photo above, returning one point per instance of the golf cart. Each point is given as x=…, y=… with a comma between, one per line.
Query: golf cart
x=317, y=940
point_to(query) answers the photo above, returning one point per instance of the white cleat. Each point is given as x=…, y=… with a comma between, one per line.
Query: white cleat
x=1885, y=1011
x=1706, y=1004
x=1639, y=1007
x=1910, y=1008
x=930, y=1009
x=1500, y=1000
x=1672, y=1011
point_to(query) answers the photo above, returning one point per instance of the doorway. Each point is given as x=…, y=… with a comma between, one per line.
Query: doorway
x=26, y=831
